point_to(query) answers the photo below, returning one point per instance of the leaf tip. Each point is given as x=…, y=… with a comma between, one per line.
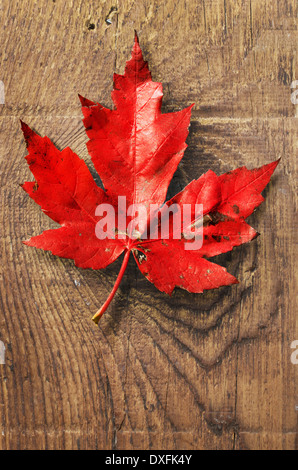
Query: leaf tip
x=271, y=166
x=24, y=126
x=85, y=102
x=275, y=163
x=27, y=131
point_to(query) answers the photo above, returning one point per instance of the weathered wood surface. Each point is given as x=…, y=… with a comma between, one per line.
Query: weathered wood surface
x=209, y=371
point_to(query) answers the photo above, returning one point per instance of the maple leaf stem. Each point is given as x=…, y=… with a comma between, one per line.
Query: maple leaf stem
x=102, y=309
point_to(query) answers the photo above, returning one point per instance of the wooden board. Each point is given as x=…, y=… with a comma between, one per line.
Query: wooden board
x=210, y=371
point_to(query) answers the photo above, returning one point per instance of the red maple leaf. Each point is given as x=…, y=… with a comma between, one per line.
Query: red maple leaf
x=136, y=150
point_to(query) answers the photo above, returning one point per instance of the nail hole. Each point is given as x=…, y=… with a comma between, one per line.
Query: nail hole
x=110, y=15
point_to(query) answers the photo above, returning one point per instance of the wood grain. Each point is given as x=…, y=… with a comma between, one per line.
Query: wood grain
x=209, y=371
